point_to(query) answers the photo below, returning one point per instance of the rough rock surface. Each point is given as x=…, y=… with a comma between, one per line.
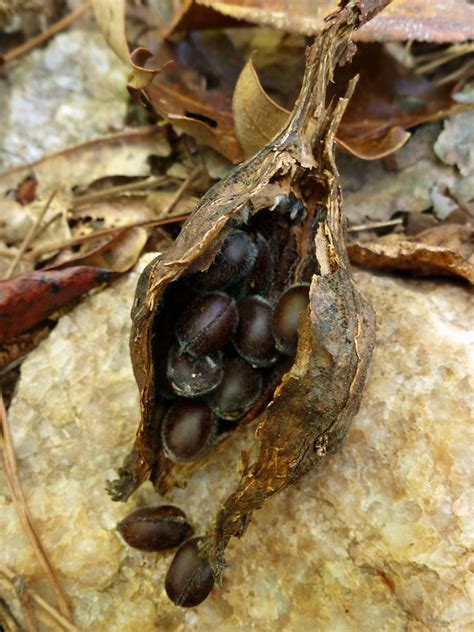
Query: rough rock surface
x=70, y=91
x=376, y=540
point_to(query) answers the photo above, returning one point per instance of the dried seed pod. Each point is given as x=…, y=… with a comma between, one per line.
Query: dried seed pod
x=254, y=336
x=319, y=391
x=207, y=324
x=190, y=578
x=188, y=430
x=192, y=376
x=240, y=388
x=155, y=528
x=232, y=263
x=287, y=317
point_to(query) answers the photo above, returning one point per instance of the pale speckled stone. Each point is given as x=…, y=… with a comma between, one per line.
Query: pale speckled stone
x=70, y=91
x=376, y=540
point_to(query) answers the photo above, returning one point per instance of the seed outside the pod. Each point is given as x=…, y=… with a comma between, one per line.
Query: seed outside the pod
x=254, y=336
x=233, y=262
x=189, y=579
x=188, y=430
x=155, y=528
x=193, y=376
x=207, y=324
x=240, y=388
x=287, y=317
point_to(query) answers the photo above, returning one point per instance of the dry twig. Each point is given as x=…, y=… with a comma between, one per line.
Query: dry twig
x=19, y=500
x=58, y=26
x=45, y=608
x=29, y=236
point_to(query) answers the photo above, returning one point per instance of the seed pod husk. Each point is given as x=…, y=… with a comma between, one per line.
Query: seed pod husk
x=318, y=392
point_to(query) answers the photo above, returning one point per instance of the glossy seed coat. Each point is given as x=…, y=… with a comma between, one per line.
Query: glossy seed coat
x=155, y=528
x=233, y=262
x=287, y=317
x=207, y=324
x=188, y=430
x=254, y=336
x=239, y=390
x=192, y=376
x=189, y=579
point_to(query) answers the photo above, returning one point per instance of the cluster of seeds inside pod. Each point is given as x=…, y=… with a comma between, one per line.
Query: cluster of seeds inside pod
x=224, y=335
x=222, y=339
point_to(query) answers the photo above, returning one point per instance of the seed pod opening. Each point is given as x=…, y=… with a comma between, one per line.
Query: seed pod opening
x=190, y=578
x=155, y=528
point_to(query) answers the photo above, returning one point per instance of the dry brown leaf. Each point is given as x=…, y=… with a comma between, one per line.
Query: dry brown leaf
x=387, y=100
x=423, y=20
x=445, y=250
x=119, y=253
x=195, y=92
x=110, y=15
x=124, y=154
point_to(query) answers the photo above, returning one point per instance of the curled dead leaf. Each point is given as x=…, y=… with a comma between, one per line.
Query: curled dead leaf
x=445, y=250
x=388, y=99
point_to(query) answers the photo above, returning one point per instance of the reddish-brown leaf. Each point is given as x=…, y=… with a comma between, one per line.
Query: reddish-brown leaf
x=422, y=20
x=28, y=299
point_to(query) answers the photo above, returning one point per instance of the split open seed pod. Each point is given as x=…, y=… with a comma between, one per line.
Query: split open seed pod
x=287, y=196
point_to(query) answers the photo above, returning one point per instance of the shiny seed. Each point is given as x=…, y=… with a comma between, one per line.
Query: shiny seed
x=239, y=390
x=233, y=261
x=189, y=579
x=207, y=324
x=287, y=316
x=188, y=430
x=155, y=528
x=192, y=376
x=254, y=337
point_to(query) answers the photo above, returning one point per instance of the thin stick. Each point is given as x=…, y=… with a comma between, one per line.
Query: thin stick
x=177, y=196
x=43, y=37
x=25, y=602
x=359, y=227
x=10, y=578
x=21, y=506
x=118, y=190
x=108, y=232
x=29, y=236
x=8, y=623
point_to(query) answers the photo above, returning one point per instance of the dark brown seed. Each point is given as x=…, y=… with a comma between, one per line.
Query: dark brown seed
x=155, y=528
x=287, y=317
x=192, y=376
x=207, y=324
x=254, y=337
x=188, y=430
x=234, y=260
x=239, y=390
x=189, y=579
x=262, y=273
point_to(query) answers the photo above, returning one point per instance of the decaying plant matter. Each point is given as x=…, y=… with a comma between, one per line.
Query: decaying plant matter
x=308, y=410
